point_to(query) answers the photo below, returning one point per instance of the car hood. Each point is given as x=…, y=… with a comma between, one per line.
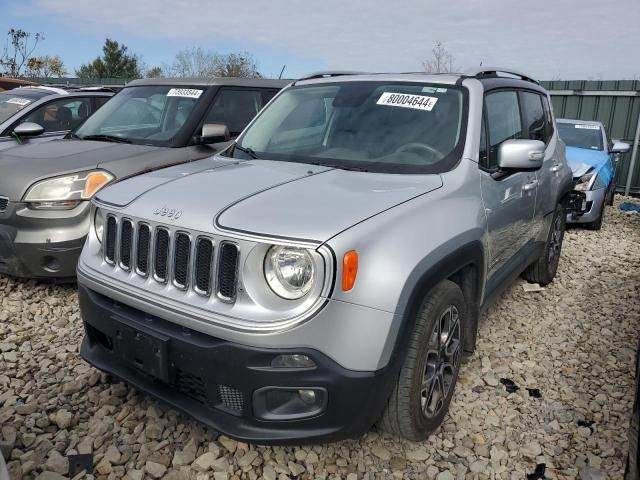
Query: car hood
x=581, y=160
x=278, y=199
x=22, y=166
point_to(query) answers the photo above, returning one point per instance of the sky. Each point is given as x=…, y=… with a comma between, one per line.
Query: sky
x=548, y=39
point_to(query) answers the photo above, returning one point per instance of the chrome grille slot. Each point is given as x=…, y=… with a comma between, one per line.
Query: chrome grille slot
x=126, y=243
x=142, y=254
x=181, y=254
x=110, y=239
x=203, y=266
x=227, y=271
x=4, y=201
x=161, y=254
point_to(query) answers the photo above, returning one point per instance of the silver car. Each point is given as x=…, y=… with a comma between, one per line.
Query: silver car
x=328, y=270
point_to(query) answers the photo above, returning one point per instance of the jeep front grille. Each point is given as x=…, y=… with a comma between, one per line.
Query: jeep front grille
x=4, y=201
x=185, y=260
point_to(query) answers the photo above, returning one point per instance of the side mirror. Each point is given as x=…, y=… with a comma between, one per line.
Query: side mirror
x=28, y=129
x=521, y=154
x=620, y=147
x=214, y=133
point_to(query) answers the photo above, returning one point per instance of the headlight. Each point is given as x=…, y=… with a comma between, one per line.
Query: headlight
x=289, y=271
x=67, y=191
x=98, y=223
x=585, y=182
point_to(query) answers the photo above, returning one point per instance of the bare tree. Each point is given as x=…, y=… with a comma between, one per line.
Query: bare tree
x=442, y=61
x=45, y=67
x=17, y=51
x=197, y=62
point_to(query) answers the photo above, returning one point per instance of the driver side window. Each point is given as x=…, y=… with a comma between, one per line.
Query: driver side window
x=504, y=122
x=59, y=115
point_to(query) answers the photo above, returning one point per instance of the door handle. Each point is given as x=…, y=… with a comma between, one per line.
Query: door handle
x=527, y=187
x=555, y=168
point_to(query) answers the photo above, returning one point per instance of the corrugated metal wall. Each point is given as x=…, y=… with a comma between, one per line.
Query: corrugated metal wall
x=619, y=113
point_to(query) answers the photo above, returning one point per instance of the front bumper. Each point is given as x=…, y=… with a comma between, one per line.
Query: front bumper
x=42, y=244
x=219, y=382
x=595, y=200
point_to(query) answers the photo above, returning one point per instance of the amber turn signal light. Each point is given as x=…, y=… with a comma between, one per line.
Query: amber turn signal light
x=94, y=182
x=349, y=270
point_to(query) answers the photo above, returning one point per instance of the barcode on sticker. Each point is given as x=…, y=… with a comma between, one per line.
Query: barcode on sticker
x=405, y=100
x=184, y=92
x=19, y=101
x=588, y=127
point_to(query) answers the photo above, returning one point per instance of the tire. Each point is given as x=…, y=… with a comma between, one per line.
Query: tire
x=544, y=269
x=611, y=196
x=415, y=412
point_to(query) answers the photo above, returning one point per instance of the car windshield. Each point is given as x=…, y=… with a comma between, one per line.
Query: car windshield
x=373, y=126
x=581, y=135
x=11, y=103
x=150, y=115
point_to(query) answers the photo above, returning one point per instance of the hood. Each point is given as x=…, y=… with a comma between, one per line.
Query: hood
x=581, y=160
x=22, y=166
x=281, y=199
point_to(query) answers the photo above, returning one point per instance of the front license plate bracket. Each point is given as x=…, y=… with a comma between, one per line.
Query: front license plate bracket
x=146, y=351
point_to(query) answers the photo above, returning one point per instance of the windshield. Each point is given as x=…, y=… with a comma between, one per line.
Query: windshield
x=373, y=126
x=10, y=103
x=581, y=135
x=151, y=115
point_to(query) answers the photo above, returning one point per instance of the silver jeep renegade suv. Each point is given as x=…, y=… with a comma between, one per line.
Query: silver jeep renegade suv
x=327, y=271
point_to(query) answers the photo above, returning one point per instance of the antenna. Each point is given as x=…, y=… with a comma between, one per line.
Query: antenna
x=282, y=71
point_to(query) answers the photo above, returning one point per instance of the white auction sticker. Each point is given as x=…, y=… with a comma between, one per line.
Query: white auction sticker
x=184, y=92
x=19, y=101
x=405, y=100
x=588, y=127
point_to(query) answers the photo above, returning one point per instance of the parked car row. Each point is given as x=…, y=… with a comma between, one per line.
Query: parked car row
x=301, y=271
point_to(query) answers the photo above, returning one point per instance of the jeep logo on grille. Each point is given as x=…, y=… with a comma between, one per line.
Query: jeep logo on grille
x=170, y=213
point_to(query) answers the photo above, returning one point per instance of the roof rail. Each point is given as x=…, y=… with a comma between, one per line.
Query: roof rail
x=329, y=74
x=493, y=72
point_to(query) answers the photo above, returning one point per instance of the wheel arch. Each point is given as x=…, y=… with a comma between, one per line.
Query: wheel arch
x=466, y=267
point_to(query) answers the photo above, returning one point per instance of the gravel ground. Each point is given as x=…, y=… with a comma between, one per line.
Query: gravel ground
x=573, y=341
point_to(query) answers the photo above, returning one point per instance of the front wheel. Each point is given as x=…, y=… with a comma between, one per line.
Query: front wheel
x=544, y=269
x=427, y=379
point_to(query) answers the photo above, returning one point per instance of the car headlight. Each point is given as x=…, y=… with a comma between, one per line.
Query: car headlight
x=98, y=223
x=585, y=182
x=289, y=271
x=66, y=191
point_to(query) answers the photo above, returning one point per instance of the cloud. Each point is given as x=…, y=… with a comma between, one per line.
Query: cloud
x=549, y=38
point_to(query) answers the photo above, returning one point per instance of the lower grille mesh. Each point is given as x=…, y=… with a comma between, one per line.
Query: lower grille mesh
x=231, y=398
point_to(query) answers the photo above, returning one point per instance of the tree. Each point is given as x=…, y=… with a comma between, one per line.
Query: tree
x=45, y=67
x=114, y=63
x=155, y=72
x=196, y=62
x=442, y=60
x=18, y=50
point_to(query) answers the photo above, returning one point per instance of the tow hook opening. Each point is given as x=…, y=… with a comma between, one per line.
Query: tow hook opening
x=577, y=204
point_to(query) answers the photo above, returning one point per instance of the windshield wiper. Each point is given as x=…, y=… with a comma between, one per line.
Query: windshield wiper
x=106, y=138
x=74, y=136
x=249, y=151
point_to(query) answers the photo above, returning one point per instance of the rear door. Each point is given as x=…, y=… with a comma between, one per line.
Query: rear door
x=509, y=199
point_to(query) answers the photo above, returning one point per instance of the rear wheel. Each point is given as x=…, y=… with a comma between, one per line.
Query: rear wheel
x=544, y=269
x=427, y=379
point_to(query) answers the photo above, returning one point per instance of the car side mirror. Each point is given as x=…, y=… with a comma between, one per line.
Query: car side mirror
x=521, y=155
x=620, y=147
x=28, y=129
x=214, y=133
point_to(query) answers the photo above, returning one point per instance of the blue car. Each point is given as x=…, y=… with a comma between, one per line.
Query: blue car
x=592, y=156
